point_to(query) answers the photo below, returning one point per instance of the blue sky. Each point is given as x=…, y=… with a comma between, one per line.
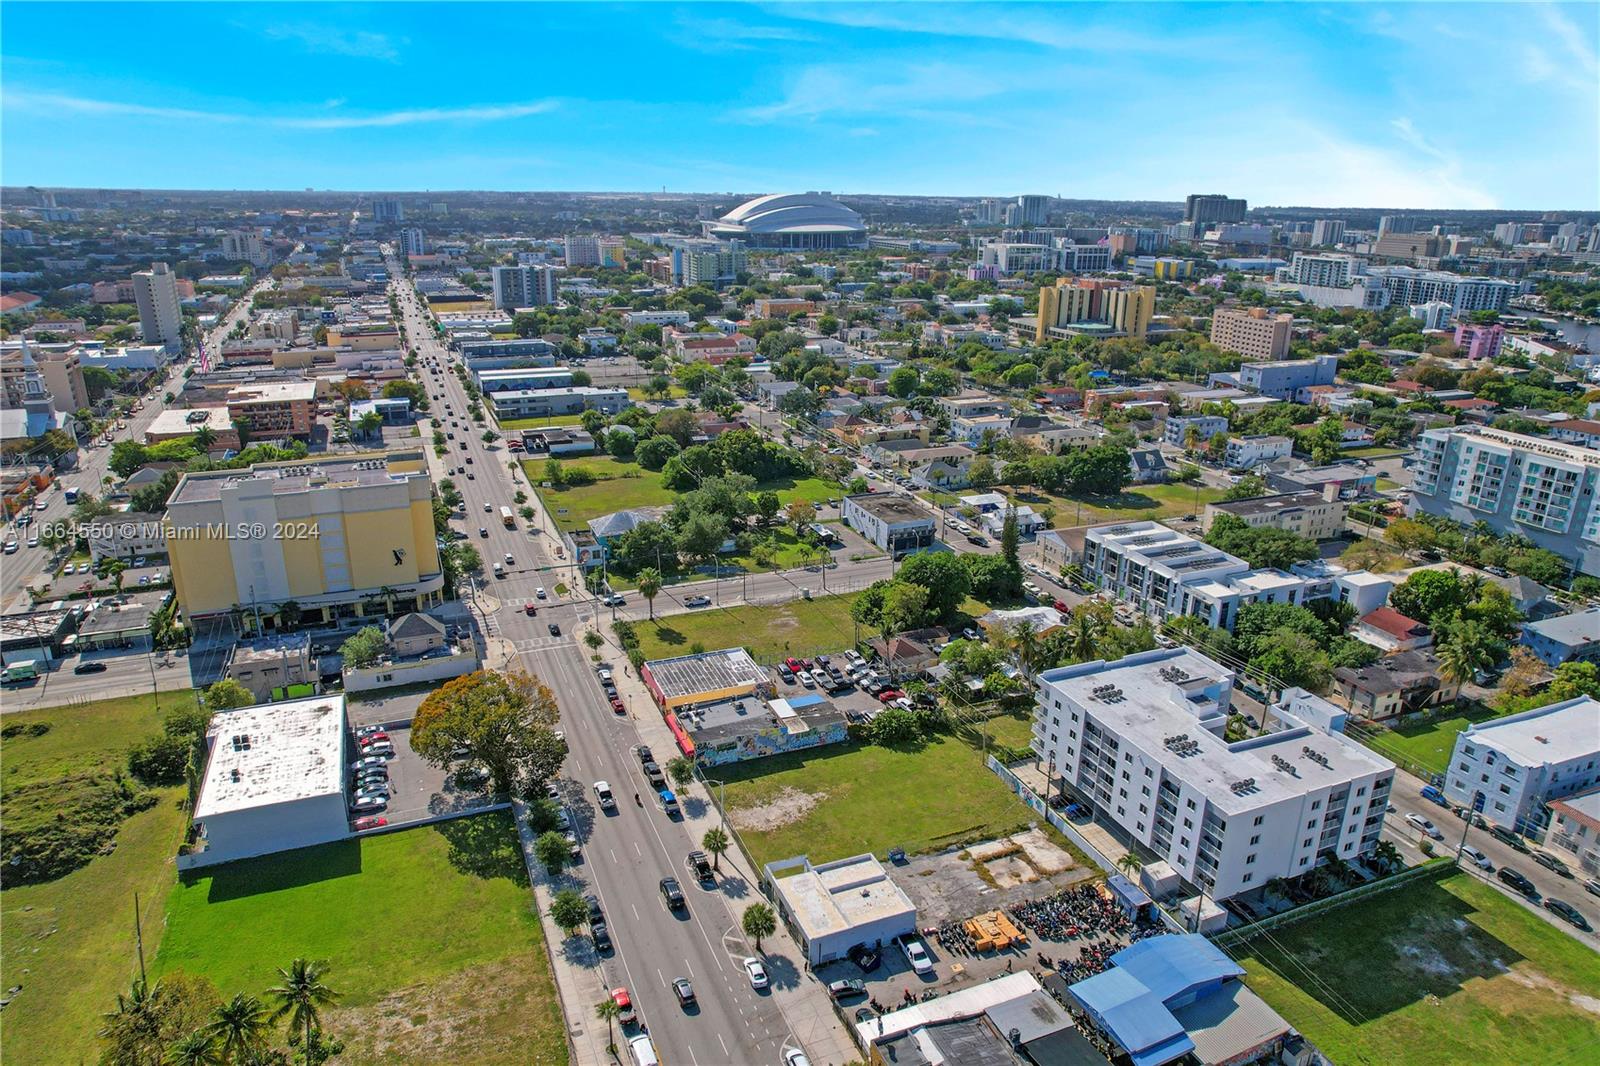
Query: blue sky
x=1411, y=105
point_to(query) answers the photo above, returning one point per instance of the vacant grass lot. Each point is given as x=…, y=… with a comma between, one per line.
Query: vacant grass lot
x=785, y=551
x=535, y=423
x=429, y=933
x=1427, y=744
x=867, y=798
x=69, y=943
x=769, y=633
x=621, y=485
x=1137, y=502
x=1434, y=972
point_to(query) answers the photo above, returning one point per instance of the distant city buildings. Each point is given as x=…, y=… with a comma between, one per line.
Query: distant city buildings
x=523, y=286
x=1327, y=231
x=412, y=242
x=245, y=246
x=1094, y=307
x=388, y=210
x=1204, y=210
x=791, y=220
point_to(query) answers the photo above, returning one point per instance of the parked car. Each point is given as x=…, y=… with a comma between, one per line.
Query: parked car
x=600, y=935
x=1423, y=826
x=1477, y=858
x=1567, y=911
x=846, y=989
x=371, y=821
x=793, y=1056
x=653, y=774
x=916, y=955
x=1592, y=886
x=699, y=866
x=1517, y=881
x=756, y=972
x=786, y=674
x=889, y=695
x=806, y=679
x=1508, y=838
x=366, y=761
x=624, y=1002
x=865, y=957
x=593, y=903
x=369, y=803
x=1550, y=862
x=646, y=756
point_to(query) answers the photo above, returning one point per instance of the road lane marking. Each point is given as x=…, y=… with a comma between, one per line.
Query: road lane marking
x=723, y=1042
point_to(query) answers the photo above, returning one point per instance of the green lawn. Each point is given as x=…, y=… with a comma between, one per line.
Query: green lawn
x=73, y=936
x=1427, y=744
x=1137, y=502
x=429, y=933
x=1371, y=451
x=801, y=627
x=638, y=394
x=620, y=485
x=869, y=798
x=535, y=423
x=1434, y=972
x=787, y=551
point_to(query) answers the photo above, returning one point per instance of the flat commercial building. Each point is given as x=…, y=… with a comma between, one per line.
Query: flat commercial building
x=1254, y=333
x=273, y=781
x=892, y=522
x=338, y=537
x=274, y=409
x=1516, y=483
x=706, y=677
x=546, y=403
x=1142, y=739
x=181, y=423
x=833, y=907
x=512, y=378
x=749, y=727
x=1519, y=763
x=1308, y=514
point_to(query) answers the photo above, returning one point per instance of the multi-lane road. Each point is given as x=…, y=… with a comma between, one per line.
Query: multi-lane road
x=628, y=851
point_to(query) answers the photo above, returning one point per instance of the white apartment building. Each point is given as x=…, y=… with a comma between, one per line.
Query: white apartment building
x=1205, y=427
x=412, y=241
x=155, y=292
x=1245, y=452
x=1321, y=270
x=1435, y=314
x=1165, y=574
x=583, y=251
x=1142, y=740
x=1317, y=514
x=657, y=318
x=1326, y=231
x=523, y=286
x=1523, y=761
x=243, y=245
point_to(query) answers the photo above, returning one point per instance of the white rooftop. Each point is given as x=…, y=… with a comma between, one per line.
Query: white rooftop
x=1552, y=734
x=964, y=1003
x=273, y=753
x=838, y=896
x=1162, y=694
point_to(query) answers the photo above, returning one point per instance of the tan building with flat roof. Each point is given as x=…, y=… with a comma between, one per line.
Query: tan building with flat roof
x=63, y=373
x=275, y=409
x=1254, y=332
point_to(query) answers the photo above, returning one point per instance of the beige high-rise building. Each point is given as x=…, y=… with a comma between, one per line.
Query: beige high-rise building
x=1097, y=306
x=155, y=291
x=1253, y=332
x=63, y=372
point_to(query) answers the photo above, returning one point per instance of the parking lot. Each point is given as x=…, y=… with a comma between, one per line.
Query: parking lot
x=854, y=701
x=418, y=790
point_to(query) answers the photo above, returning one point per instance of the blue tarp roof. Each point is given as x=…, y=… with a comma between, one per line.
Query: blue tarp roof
x=1171, y=965
x=1130, y=999
x=1134, y=1016
x=804, y=701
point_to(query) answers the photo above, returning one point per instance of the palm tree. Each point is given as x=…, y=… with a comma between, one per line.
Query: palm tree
x=199, y=1048
x=1024, y=640
x=1464, y=652
x=1083, y=636
x=135, y=1024
x=239, y=1027
x=114, y=570
x=204, y=438
x=1130, y=863
x=716, y=842
x=650, y=587
x=758, y=922
x=608, y=1010
x=300, y=994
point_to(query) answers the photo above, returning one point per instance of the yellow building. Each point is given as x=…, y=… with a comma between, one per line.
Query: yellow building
x=1096, y=307
x=336, y=537
x=1061, y=305
x=1128, y=311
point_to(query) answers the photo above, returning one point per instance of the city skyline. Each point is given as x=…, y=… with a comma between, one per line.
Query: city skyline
x=1285, y=105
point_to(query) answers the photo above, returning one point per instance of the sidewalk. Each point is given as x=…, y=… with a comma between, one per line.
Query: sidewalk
x=805, y=1007
x=578, y=986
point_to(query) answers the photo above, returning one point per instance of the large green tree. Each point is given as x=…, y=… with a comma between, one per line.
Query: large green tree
x=942, y=574
x=504, y=719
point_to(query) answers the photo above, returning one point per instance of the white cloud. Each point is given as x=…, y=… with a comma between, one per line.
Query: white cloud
x=1033, y=24
x=731, y=35
x=334, y=40
x=1579, y=68
x=56, y=102
x=927, y=91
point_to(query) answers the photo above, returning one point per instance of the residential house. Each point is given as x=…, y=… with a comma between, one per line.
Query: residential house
x=1149, y=465
x=1388, y=629
x=1392, y=686
x=1566, y=638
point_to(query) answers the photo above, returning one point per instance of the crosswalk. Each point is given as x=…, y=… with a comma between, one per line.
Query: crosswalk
x=541, y=643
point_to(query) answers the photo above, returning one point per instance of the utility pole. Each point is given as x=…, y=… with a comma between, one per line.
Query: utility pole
x=138, y=936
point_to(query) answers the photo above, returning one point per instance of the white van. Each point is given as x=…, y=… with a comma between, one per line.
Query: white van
x=642, y=1051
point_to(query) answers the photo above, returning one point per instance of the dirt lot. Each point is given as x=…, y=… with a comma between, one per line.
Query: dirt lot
x=954, y=885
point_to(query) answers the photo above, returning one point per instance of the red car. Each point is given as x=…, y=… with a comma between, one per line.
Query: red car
x=889, y=694
x=616, y=705
x=1061, y=605
x=371, y=821
x=794, y=664
x=531, y=608
x=373, y=738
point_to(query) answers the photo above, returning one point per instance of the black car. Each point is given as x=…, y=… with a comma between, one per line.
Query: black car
x=699, y=866
x=555, y=630
x=89, y=668
x=672, y=893
x=1568, y=911
x=684, y=991
x=600, y=935
x=1518, y=882
x=865, y=957
x=595, y=913
x=646, y=756
x=653, y=774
